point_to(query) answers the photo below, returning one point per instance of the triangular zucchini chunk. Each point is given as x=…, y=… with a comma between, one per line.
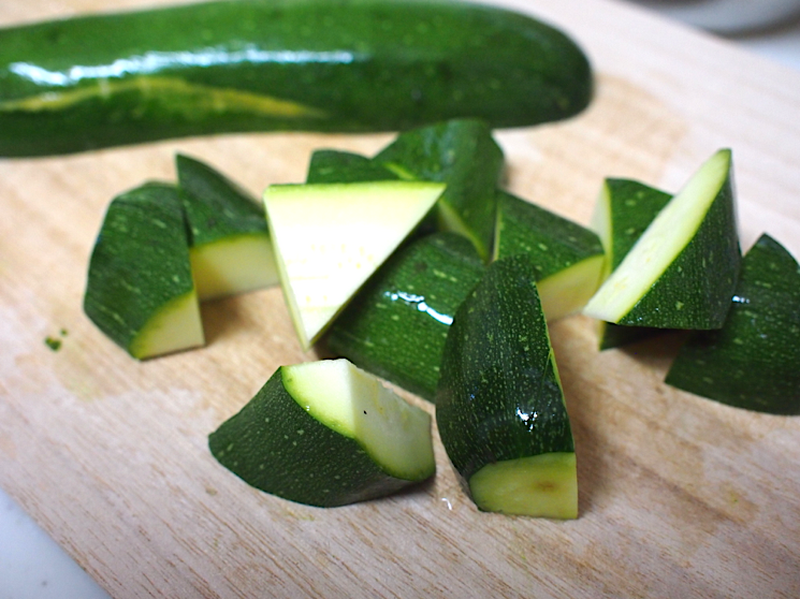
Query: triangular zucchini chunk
x=140, y=290
x=567, y=257
x=326, y=433
x=625, y=208
x=230, y=250
x=682, y=271
x=329, y=238
x=753, y=362
x=500, y=406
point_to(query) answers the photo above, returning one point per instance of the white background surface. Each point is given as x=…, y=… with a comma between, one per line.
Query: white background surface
x=33, y=566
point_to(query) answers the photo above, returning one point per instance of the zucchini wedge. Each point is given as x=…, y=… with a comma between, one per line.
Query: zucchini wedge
x=753, y=361
x=463, y=154
x=499, y=404
x=568, y=258
x=140, y=290
x=625, y=208
x=231, y=250
x=330, y=237
x=663, y=281
x=326, y=434
x=395, y=327
x=110, y=79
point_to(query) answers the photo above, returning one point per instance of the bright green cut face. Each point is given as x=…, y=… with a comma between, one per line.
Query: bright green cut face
x=174, y=327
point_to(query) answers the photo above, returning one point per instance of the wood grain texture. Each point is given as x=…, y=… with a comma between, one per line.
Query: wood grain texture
x=679, y=496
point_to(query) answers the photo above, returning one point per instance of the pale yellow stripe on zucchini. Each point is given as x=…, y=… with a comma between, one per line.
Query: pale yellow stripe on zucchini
x=190, y=99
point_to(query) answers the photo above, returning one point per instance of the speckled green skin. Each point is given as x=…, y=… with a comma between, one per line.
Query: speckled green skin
x=694, y=292
x=216, y=208
x=273, y=444
x=396, y=326
x=463, y=154
x=499, y=396
x=554, y=243
x=342, y=65
x=139, y=263
x=633, y=206
x=753, y=362
x=334, y=166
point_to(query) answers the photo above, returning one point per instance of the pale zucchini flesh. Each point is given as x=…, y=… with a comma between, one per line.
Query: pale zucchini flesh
x=235, y=265
x=329, y=238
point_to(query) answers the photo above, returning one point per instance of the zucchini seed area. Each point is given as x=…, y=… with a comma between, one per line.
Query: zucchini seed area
x=395, y=434
x=544, y=485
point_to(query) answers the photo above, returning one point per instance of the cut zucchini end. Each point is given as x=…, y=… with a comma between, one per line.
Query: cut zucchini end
x=669, y=233
x=176, y=326
x=568, y=291
x=543, y=486
x=348, y=400
x=330, y=237
x=233, y=265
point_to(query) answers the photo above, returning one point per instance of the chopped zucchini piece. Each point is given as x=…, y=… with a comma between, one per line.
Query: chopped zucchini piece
x=231, y=251
x=568, y=258
x=499, y=405
x=663, y=281
x=462, y=154
x=625, y=208
x=140, y=291
x=330, y=237
x=753, y=362
x=334, y=166
x=326, y=434
x=396, y=325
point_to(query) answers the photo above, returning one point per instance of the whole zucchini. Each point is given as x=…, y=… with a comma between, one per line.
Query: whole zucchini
x=263, y=65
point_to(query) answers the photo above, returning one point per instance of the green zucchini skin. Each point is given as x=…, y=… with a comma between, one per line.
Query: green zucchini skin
x=632, y=206
x=215, y=206
x=463, y=154
x=139, y=263
x=273, y=444
x=334, y=166
x=753, y=362
x=225, y=66
x=396, y=326
x=499, y=396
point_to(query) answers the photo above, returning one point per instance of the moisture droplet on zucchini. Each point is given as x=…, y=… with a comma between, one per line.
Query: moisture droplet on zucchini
x=396, y=326
x=101, y=80
x=499, y=405
x=231, y=250
x=329, y=238
x=568, y=258
x=463, y=154
x=664, y=281
x=327, y=434
x=753, y=362
x=140, y=291
x=625, y=208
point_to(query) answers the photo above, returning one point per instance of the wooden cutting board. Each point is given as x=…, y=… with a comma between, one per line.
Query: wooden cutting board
x=679, y=496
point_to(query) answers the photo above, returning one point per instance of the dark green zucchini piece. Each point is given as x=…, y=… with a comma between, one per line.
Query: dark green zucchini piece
x=396, y=325
x=499, y=404
x=231, y=250
x=753, y=362
x=140, y=290
x=664, y=281
x=463, y=154
x=326, y=434
x=102, y=80
x=335, y=166
x=624, y=211
x=568, y=259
